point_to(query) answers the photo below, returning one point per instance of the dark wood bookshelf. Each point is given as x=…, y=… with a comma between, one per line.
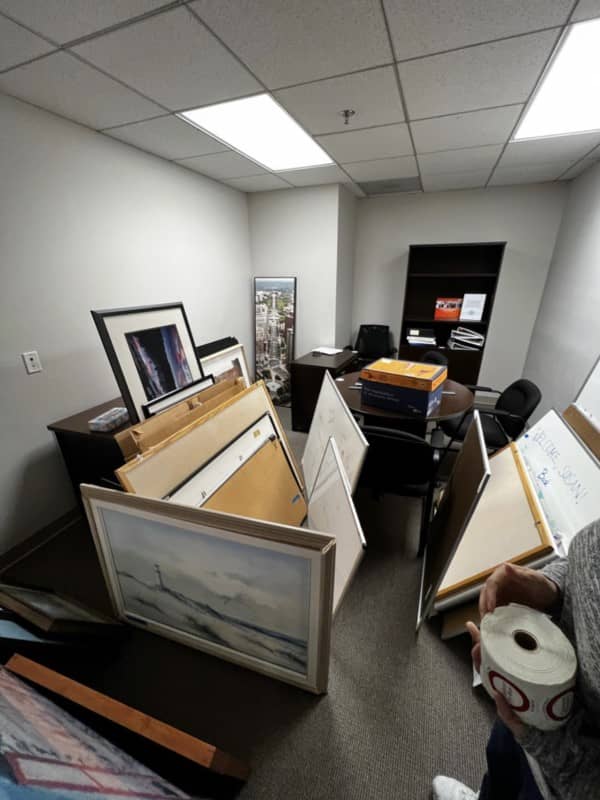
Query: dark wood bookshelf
x=449, y=270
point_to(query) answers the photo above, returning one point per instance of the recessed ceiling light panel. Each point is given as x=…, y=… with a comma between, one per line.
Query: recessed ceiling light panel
x=567, y=99
x=259, y=128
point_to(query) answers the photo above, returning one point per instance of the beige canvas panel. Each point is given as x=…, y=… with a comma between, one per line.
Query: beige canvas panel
x=583, y=428
x=503, y=528
x=244, y=493
x=140, y=438
x=170, y=463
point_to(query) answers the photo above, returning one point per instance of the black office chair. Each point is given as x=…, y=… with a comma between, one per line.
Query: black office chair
x=434, y=357
x=401, y=463
x=506, y=421
x=373, y=342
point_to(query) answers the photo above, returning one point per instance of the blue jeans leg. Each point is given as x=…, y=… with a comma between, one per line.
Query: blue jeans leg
x=509, y=776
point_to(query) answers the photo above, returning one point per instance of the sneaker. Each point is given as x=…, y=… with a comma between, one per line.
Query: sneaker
x=449, y=789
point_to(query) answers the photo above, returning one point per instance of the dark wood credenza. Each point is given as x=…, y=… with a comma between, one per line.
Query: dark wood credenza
x=90, y=456
x=306, y=376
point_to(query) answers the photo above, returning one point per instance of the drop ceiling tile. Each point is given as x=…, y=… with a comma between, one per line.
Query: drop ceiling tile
x=472, y=129
x=300, y=40
x=18, y=45
x=258, y=183
x=66, y=20
x=466, y=160
x=373, y=95
x=553, y=148
x=405, y=167
x=495, y=74
x=61, y=83
x=314, y=176
x=383, y=142
x=168, y=137
x=578, y=169
x=173, y=59
x=504, y=176
x=223, y=165
x=455, y=180
x=421, y=27
x=586, y=9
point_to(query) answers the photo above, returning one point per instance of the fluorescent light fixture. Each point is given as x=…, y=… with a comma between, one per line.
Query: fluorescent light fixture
x=567, y=99
x=259, y=128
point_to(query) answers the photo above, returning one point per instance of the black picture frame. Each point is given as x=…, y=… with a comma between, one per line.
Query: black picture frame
x=176, y=396
x=127, y=370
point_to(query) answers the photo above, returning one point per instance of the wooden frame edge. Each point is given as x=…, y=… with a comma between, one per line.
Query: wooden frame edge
x=161, y=733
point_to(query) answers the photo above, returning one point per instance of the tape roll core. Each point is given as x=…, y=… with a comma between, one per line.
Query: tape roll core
x=525, y=640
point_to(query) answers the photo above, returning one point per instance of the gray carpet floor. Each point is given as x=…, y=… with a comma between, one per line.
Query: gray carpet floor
x=399, y=709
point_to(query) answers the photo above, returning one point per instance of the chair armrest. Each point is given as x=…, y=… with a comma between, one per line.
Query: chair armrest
x=499, y=412
x=474, y=388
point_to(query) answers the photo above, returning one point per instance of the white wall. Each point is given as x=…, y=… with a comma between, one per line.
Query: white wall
x=345, y=267
x=566, y=337
x=293, y=232
x=526, y=217
x=89, y=223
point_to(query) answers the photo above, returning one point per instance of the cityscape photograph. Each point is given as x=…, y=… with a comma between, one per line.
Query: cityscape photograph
x=275, y=314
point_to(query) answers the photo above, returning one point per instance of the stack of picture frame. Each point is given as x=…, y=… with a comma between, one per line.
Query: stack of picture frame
x=208, y=544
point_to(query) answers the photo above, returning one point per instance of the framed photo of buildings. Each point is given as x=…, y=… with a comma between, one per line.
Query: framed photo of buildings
x=275, y=333
x=151, y=352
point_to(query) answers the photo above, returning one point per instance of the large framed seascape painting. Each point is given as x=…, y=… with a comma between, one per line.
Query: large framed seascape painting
x=275, y=327
x=151, y=352
x=256, y=593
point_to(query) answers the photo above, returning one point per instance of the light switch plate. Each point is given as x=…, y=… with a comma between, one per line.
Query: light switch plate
x=32, y=362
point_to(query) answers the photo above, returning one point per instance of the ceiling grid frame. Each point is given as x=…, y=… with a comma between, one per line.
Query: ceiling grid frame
x=166, y=7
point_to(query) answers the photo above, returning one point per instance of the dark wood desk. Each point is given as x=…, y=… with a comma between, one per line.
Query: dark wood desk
x=306, y=375
x=90, y=456
x=453, y=405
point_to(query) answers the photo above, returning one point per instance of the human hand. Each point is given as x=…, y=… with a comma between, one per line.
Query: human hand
x=476, y=639
x=508, y=716
x=510, y=583
x=505, y=712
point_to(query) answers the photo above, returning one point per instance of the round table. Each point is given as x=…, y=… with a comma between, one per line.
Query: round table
x=456, y=400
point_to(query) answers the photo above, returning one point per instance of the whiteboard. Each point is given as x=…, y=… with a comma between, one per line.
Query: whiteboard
x=588, y=399
x=332, y=417
x=564, y=475
x=331, y=510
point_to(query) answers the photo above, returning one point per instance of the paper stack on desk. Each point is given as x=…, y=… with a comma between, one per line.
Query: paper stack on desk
x=465, y=339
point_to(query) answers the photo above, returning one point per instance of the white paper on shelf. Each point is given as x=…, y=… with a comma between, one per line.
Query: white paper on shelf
x=327, y=351
x=472, y=307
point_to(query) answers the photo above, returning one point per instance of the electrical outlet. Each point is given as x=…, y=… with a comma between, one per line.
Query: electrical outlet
x=32, y=361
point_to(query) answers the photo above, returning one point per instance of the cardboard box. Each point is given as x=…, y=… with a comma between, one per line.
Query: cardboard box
x=406, y=374
x=400, y=399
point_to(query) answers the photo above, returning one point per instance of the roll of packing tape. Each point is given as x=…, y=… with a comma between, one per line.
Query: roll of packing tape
x=529, y=660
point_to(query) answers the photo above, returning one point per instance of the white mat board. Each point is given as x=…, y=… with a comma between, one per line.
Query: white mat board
x=565, y=477
x=502, y=527
x=332, y=417
x=331, y=510
x=588, y=399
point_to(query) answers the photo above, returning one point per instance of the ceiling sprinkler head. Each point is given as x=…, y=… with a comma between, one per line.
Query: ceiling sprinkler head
x=346, y=114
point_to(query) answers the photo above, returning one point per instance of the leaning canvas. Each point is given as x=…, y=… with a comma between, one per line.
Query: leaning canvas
x=255, y=593
x=46, y=753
